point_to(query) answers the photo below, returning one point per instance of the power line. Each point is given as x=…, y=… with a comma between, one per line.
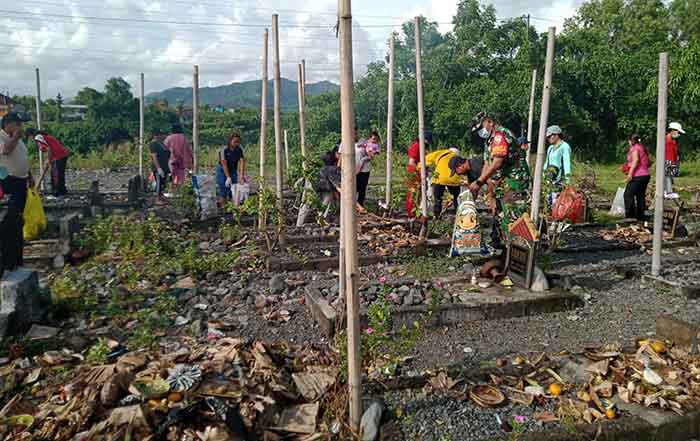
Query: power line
x=209, y=32
x=220, y=43
x=193, y=23
x=222, y=5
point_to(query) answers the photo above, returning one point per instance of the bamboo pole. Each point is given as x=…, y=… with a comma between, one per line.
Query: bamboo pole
x=660, y=160
x=286, y=151
x=349, y=213
x=390, y=123
x=195, y=118
x=302, y=121
x=544, y=119
x=278, y=124
x=38, y=123
x=141, y=127
x=421, y=124
x=305, y=209
x=531, y=114
x=263, y=131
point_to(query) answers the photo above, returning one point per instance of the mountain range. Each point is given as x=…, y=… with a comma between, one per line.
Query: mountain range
x=244, y=94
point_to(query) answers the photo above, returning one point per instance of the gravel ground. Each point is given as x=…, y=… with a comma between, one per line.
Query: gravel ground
x=686, y=274
x=615, y=309
x=440, y=417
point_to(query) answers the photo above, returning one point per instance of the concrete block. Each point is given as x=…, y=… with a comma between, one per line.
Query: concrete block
x=68, y=226
x=321, y=310
x=685, y=335
x=21, y=301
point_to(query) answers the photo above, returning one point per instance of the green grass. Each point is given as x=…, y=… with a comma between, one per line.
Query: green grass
x=609, y=177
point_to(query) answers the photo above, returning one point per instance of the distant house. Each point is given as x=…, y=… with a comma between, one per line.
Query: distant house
x=7, y=105
x=73, y=112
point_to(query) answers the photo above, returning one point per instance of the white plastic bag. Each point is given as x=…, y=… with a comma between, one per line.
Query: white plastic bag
x=240, y=192
x=205, y=189
x=618, y=205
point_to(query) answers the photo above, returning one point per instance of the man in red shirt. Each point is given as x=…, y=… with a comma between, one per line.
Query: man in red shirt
x=57, y=158
x=413, y=175
x=672, y=163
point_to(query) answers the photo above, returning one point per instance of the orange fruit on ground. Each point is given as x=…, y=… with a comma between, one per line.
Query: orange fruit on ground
x=554, y=389
x=175, y=397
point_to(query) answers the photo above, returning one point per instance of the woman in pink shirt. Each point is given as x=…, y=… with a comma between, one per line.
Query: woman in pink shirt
x=637, y=179
x=180, y=155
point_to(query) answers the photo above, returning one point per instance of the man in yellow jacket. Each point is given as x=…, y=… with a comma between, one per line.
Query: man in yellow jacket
x=444, y=178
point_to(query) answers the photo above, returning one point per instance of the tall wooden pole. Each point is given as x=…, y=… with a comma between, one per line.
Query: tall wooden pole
x=263, y=129
x=305, y=209
x=349, y=213
x=544, y=119
x=302, y=122
x=286, y=151
x=531, y=114
x=142, y=109
x=38, y=123
x=660, y=160
x=278, y=124
x=421, y=121
x=195, y=118
x=390, y=122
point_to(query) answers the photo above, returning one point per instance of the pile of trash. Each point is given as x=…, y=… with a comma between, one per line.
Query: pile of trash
x=656, y=375
x=388, y=241
x=653, y=376
x=229, y=389
x=634, y=233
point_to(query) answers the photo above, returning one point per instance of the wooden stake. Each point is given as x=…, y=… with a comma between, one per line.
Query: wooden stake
x=141, y=128
x=263, y=130
x=349, y=214
x=421, y=123
x=278, y=124
x=390, y=123
x=195, y=118
x=544, y=119
x=286, y=151
x=661, y=117
x=38, y=123
x=531, y=114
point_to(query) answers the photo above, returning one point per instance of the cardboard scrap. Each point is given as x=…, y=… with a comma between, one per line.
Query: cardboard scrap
x=313, y=386
x=38, y=332
x=298, y=419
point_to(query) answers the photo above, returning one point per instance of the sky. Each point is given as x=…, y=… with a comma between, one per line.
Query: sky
x=78, y=43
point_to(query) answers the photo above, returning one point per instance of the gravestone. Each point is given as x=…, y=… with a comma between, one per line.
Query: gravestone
x=521, y=258
x=670, y=220
x=95, y=196
x=21, y=301
x=135, y=189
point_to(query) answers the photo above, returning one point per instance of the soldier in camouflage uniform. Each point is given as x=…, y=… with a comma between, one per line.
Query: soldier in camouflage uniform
x=507, y=170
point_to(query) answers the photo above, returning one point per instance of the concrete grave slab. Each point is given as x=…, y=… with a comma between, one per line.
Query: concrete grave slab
x=488, y=304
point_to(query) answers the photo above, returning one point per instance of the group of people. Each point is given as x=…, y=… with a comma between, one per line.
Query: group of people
x=637, y=171
x=506, y=174
x=171, y=157
x=328, y=184
x=16, y=178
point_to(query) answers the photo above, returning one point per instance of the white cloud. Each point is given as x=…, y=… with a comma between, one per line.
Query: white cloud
x=73, y=52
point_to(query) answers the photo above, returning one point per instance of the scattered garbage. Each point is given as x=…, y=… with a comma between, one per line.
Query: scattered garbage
x=219, y=389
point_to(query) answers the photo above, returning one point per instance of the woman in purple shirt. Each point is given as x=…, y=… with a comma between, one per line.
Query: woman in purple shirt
x=637, y=178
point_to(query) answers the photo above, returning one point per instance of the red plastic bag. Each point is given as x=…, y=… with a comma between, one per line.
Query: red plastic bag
x=569, y=206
